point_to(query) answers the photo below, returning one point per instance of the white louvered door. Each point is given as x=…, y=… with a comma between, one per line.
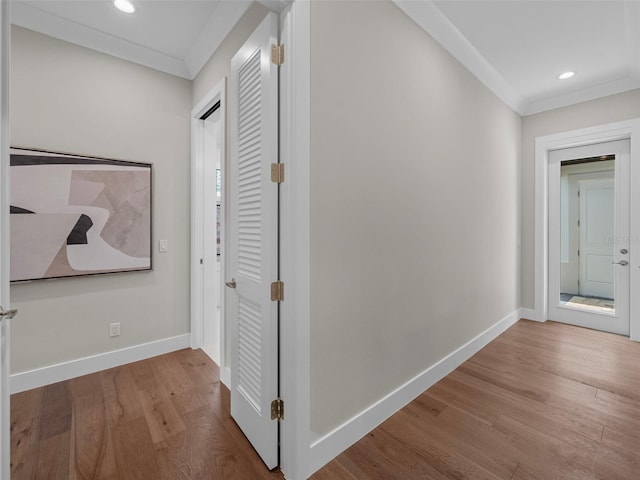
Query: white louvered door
x=253, y=249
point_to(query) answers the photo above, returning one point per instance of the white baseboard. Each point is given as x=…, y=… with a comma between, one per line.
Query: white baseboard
x=332, y=444
x=530, y=314
x=225, y=377
x=64, y=371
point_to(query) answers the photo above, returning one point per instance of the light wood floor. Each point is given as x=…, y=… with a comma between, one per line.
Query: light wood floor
x=163, y=418
x=541, y=402
x=544, y=401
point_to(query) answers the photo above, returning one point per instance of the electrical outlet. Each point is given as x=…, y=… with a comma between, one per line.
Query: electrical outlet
x=114, y=329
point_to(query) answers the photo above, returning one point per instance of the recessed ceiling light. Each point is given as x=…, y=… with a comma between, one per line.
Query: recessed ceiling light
x=124, y=6
x=565, y=75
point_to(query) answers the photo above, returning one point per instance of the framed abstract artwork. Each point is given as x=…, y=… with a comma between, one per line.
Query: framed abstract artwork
x=73, y=215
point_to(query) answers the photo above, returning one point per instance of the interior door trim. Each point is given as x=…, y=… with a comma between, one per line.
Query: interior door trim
x=628, y=129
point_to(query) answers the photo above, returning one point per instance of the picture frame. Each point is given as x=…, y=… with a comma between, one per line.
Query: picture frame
x=75, y=215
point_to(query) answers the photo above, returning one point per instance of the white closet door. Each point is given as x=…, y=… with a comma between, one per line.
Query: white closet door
x=254, y=239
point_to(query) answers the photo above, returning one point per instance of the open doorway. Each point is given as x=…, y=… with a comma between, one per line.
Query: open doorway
x=207, y=227
x=212, y=128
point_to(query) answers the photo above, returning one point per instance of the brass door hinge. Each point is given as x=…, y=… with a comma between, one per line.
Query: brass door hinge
x=277, y=172
x=277, y=54
x=277, y=409
x=277, y=291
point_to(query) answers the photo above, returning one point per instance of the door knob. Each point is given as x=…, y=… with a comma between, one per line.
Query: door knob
x=232, y=283
x=8, y=314
x=624, y=263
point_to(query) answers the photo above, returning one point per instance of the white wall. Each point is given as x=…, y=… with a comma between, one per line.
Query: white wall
x=414, y=206
x=605, y=110
x=71, y=99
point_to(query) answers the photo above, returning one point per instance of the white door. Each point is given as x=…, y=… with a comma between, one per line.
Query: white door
x=253, y=249
x=604, y=243
x=597, y=203
x=4, y=240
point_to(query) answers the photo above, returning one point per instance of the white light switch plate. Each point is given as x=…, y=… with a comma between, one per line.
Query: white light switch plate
x=163, y=246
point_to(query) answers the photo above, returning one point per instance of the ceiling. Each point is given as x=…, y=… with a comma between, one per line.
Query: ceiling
x=515, y=47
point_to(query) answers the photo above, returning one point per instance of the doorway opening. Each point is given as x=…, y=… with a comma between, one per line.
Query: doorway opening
x=208, y=206
x=212, y=142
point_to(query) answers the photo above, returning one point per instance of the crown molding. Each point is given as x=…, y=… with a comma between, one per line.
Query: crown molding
x=579, y=96
x=223, y=19
x=32, y=18
x=428, y=16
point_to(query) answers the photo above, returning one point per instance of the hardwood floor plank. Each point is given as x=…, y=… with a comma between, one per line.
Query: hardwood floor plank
x=180, y=456
x=499, y=358
x=501, y=463
x=506, y=380
x=25, y=425
x=55, y=418
x=543, y=455
x=53, y=458
x=174, y=377
x=599, y=412
x=198, y=366
x=335, y=471
x=160, y=413
x=120, y=396
x=436, y=450
x=492, y=444
x=134, y=452
x=91, y=455
x=621, y=441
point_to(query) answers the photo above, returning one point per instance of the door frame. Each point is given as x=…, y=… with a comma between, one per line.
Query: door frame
x=5, y=325
x=295, y=240
x=200, y=236
x=629, y=129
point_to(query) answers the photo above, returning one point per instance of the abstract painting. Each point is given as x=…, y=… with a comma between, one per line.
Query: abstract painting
x=73, y=215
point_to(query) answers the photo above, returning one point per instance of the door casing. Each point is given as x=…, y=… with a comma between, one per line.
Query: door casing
x=628, y=129
x=5, y=325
